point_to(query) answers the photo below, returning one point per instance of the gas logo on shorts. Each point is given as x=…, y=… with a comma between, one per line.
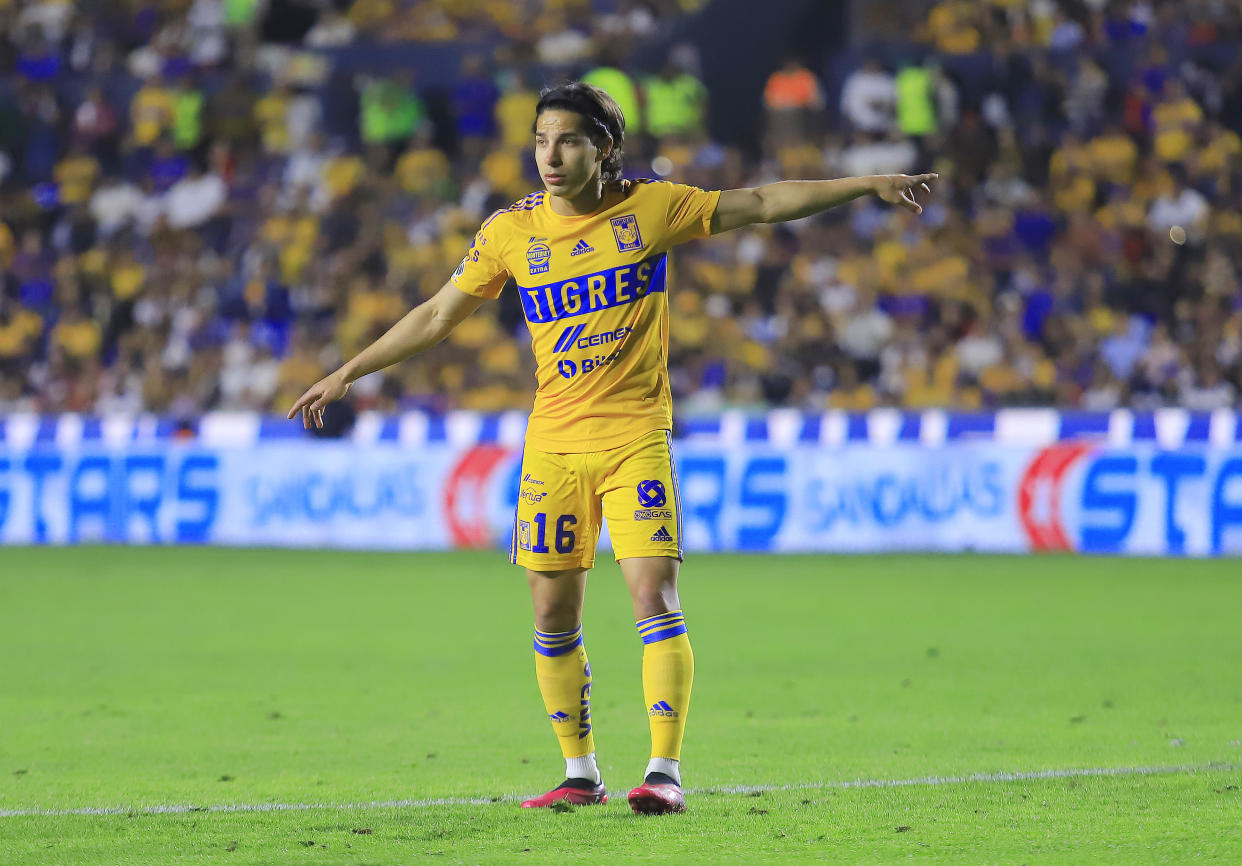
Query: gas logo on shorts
x=652, y=499
x=651, y=494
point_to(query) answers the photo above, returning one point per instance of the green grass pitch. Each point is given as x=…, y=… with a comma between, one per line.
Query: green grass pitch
x=382, y=700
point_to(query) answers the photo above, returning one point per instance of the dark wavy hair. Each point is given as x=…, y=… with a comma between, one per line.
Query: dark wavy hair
x=604, y=120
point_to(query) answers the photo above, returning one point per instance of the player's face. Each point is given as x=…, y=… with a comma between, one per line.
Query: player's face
x=567, y=158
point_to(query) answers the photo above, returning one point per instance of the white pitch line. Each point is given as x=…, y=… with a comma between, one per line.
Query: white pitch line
x=427, y=803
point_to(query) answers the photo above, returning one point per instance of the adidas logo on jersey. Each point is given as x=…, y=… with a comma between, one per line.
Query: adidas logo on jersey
x=661, y=534
x=661, y=708
x=581, y=247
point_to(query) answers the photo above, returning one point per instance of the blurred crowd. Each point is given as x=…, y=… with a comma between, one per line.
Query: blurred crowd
x=201, y=208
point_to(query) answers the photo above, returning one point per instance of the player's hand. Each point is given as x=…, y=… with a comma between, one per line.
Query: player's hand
x=899, y=189
x=317, y=396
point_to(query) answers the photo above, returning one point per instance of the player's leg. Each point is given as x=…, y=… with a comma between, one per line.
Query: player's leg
x=642, y=506
x=555, y=531
x=562, y=668
x=668, y=677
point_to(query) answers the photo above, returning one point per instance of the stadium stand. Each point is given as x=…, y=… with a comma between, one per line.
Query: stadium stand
x=204, y=205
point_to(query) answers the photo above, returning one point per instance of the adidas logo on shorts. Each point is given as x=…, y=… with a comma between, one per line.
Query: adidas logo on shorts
x=661, y=534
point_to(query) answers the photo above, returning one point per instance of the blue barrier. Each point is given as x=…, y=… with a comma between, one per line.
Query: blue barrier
x=784, y=482
x=1169, y=428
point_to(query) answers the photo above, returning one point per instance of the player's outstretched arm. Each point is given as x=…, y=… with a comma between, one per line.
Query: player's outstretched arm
x=794, y=199
x=419, y=329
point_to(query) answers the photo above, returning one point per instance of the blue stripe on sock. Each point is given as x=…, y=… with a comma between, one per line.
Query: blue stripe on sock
x=665, y=634
x=659, y=622
x=661, y=627
x=651, y=620
x=557, y=644
x=559, y=650
x=557, y=635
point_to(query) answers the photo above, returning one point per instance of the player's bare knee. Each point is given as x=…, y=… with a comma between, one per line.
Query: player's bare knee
x=557, y=598
x=654, y=596
x=652, y=582
x=557, y=615
x=655, y=600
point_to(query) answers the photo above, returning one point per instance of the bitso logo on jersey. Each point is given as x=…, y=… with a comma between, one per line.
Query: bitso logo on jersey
x=538, y=256
x=580, y=248
x=625, y=228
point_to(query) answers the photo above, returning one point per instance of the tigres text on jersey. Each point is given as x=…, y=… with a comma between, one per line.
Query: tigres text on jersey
x=594, y=289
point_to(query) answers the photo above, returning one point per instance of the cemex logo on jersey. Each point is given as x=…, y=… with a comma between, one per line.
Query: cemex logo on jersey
x=572, y=338
x=580, y=248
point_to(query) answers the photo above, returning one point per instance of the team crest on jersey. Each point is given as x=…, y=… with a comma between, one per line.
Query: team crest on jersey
x=538, y=256
x=625, y=229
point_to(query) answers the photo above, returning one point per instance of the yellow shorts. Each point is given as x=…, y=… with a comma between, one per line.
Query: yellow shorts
x=564, y=498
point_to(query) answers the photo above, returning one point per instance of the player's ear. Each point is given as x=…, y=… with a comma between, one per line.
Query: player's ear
x=604, y=148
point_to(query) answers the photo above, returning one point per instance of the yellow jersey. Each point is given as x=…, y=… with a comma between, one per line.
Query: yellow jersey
x=595, y=292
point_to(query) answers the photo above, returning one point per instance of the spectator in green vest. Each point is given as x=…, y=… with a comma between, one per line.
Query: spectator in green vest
x=916, y=102
x=240, y=13
x=676, y=102
x=621, y=88
x=187, y=126
x=391, y=110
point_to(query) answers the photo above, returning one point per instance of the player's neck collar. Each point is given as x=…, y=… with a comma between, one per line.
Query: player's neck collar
x=605, y=202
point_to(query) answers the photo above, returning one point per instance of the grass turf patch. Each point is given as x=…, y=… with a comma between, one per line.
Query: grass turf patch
x=141, y=677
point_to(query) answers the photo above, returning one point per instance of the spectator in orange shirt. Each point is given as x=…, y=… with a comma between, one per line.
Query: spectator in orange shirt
x=794, y=102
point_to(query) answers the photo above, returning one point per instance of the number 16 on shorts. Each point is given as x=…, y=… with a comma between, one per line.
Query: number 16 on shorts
x=533, y=534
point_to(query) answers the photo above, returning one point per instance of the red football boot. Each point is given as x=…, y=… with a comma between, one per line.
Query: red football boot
x=570, y=792
x=657, y=798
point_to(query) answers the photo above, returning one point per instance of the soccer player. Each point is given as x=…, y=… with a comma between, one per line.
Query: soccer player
x=589, y=256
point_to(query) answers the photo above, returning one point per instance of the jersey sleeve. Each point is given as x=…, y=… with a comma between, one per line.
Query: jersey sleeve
x=482, y=273
x=690, y=211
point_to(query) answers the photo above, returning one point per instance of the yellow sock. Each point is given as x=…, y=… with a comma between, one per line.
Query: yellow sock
x=668, y=675
x=565, y=681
